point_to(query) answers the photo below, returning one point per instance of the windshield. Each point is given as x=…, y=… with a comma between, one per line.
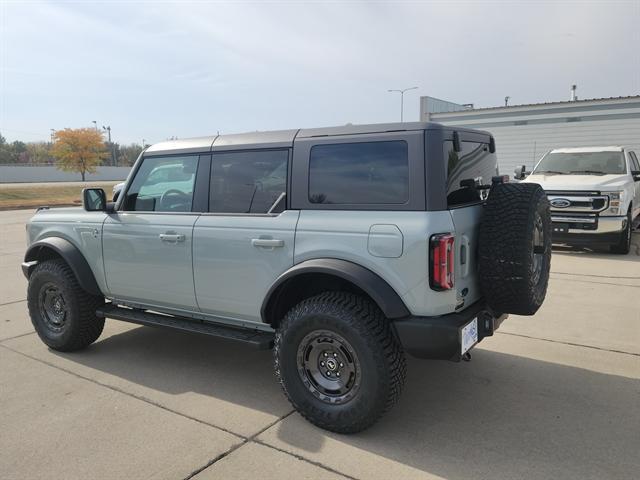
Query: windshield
x=596, y=163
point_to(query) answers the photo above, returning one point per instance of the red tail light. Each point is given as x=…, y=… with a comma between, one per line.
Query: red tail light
x=441, y=259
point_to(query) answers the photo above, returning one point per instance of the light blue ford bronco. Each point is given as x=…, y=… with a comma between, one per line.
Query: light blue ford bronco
x=340, y=248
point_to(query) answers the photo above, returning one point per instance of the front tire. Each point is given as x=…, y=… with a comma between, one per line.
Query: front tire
x=338, y=361
x=63, y=314
x=624, y=244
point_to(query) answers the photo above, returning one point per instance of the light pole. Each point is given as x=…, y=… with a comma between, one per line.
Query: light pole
x=53, y=132
x=401, y=92
x=95, y=124
x=111, y=146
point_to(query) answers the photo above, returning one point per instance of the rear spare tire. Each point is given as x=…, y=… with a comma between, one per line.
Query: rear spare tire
x=515, y=248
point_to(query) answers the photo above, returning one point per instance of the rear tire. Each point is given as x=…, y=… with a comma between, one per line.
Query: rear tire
x=63, y=314
x=515, y=248
x=338, y=361
x=624, y=244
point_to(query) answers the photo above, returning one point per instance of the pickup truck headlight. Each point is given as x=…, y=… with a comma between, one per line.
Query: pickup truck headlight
x=615, y=203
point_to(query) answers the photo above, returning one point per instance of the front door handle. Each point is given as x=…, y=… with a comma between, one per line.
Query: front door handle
x=171, y=237
x=267, y=242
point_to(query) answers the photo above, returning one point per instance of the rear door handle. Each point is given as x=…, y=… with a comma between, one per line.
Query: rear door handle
x=267, y=242
x=172, y=237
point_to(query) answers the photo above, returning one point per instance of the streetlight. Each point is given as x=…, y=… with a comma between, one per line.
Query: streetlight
x=111, y=145
x=53, y=132
x=401, y=92
x=95, y=124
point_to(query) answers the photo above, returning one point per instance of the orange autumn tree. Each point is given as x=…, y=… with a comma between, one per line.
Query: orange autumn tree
x=78, y=150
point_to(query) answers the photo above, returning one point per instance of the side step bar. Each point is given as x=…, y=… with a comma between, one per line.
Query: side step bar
x=256, y=338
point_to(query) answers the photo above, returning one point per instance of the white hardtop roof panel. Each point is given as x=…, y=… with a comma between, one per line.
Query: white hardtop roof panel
x=186, y=145
x=270, y=139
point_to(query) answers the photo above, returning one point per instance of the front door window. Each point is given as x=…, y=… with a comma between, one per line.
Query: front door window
x=163, y=184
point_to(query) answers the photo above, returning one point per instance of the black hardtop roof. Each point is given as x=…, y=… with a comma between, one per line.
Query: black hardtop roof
x=284, y=138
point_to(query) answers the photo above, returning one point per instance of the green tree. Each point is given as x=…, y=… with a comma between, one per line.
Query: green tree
x=38, y=152
x=19, y=152
x=78, y=150
x=128, y=154
x=5, y=151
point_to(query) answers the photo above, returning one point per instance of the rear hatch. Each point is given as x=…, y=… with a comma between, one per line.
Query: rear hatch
x=472, y=166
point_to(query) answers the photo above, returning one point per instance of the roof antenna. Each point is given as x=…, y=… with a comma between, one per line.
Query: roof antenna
x=506, y=101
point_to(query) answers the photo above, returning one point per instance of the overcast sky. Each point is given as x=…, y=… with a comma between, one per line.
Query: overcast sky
x=158, y=69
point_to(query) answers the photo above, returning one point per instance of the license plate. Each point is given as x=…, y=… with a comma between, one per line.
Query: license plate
x=560, y=227
x=469, y=336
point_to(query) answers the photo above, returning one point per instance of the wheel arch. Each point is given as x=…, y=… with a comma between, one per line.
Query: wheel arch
x=315, y=276
x=56, y=247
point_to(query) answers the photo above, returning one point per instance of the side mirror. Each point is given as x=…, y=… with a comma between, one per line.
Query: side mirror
x=636, y=175
x=94, y=200
x=520, y=172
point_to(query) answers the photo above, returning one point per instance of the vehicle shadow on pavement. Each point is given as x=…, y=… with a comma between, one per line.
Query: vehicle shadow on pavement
x=174, y=363
x=499, y=416
x=601, y=252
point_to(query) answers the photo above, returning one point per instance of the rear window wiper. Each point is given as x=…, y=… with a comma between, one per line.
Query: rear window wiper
x=593, y=172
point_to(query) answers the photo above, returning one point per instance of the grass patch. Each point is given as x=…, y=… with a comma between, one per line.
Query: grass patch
x=16, y=196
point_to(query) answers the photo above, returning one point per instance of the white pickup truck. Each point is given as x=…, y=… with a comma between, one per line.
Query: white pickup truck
x=594, y=194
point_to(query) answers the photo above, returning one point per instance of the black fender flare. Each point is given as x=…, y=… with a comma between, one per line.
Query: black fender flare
x=70, y=253
x=371, y=283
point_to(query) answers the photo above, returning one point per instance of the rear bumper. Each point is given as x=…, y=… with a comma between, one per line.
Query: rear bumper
x=439, y=338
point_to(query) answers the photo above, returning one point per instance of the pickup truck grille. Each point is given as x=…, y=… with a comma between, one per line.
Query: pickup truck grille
x=577, y=201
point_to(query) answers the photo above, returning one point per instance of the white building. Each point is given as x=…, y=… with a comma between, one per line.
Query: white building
x=524, y=133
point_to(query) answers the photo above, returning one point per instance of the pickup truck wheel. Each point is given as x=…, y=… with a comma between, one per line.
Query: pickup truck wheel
x=514, y=252
x=624, y=244
x=338, y=361
x=62, y=313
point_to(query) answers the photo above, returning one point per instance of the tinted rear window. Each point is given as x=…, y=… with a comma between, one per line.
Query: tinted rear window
x=473, y=165
x=359, y=173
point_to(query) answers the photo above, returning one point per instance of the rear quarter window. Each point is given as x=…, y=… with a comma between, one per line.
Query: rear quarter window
x=359, y=173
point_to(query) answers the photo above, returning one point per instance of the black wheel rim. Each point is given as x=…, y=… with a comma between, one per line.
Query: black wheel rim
x=329, y=367
x=538, y=248
x=53, y=307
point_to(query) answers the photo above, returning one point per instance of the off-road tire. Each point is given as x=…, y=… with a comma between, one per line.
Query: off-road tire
x=365, y=328
x=513, y=271
x=623, y=246
x=81, y=327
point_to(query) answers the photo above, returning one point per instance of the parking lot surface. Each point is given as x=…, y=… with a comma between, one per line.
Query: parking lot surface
x=556, y=395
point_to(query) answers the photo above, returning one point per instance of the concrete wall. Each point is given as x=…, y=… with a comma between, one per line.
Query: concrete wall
x=22, y=174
